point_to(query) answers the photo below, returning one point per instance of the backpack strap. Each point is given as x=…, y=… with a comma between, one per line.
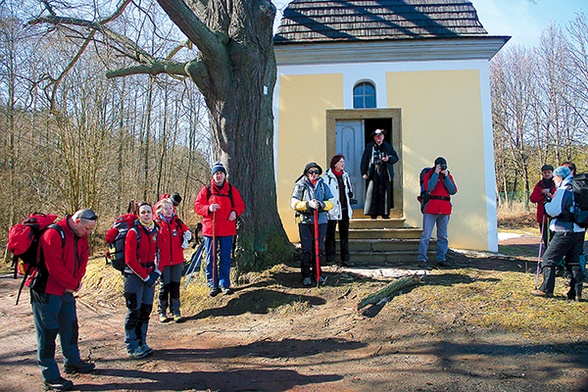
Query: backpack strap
x=229, y=194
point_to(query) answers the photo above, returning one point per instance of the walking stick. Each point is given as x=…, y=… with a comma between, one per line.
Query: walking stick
x=317, y=248
x=213, y=259
x=539, y=256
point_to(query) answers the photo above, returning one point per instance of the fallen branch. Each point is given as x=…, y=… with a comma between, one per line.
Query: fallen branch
x=389, y=290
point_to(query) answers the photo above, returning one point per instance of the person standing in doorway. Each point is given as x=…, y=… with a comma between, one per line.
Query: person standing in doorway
x=376, y=168
x=440, y=185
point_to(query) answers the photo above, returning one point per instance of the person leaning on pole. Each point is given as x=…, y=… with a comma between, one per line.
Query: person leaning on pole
x=62, y=266
x=220, y=204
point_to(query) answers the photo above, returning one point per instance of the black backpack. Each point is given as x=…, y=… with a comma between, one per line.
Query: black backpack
x=115, y=239
x=580, y=190
x=424, y=196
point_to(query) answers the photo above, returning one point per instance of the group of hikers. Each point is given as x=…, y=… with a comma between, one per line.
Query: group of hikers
x=156, y=239
x=562, y=238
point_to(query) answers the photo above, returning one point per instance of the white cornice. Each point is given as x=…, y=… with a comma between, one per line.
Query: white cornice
x=480, y=48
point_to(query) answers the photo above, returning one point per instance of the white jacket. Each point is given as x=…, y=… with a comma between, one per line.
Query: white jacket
x=331, y=180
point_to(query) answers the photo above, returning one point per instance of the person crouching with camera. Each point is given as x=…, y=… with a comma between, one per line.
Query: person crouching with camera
x=340, y=184
x=440, y=185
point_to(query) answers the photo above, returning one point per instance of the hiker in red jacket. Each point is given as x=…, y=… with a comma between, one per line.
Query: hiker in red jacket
x=220, y=204
x=440, y=185
x=542, y=193
x=63, y=256
x=140, y=274
x=173, y=239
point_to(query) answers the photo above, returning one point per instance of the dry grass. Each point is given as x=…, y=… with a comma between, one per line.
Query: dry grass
x=516, y=216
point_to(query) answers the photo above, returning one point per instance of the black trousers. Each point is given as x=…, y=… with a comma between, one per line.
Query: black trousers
x=330, y=241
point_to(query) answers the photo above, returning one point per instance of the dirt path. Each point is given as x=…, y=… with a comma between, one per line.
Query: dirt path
x=241, y=345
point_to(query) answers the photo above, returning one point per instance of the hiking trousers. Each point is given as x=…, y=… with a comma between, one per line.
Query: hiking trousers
x=139, y=302
x=570, y=245
x=55, y=315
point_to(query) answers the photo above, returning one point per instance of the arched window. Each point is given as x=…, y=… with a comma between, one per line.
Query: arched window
x=364, y=95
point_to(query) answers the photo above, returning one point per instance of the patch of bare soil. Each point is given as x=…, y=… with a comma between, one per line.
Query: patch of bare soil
x=276, y=335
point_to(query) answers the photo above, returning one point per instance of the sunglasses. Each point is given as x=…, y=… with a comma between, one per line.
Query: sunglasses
x=89, y=216
x=313, y=172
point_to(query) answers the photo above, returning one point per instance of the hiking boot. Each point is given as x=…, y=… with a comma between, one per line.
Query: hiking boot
x=442, y=263
x=227, y=290
x=213, y=291
x=80, y=367
x=307, y=281
x=146, y=349
x=137, y=353
x=178, y=318
x=163, y=318
x=539, y=293
x=58, y=384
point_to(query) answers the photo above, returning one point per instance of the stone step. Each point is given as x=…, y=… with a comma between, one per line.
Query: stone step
x=387, y=233
x=376, y=223
x=386, y=251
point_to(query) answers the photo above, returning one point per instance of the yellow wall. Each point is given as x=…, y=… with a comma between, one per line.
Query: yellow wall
x=302, y=138
x=442, y=116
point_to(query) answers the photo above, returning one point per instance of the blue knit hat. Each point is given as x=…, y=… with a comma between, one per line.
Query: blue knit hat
x=562, y=171
x=218, y=167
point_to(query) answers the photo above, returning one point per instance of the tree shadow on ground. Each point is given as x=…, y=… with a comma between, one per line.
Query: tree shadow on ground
x=259, y=301
x=234, y=380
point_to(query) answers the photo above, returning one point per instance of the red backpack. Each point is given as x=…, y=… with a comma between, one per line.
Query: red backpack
x=23, y=243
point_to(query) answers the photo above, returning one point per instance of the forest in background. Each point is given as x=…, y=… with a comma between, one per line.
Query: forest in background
x=540, y=108
x=73, y=138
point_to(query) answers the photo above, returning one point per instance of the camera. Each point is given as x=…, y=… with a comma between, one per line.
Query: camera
x=443, y=166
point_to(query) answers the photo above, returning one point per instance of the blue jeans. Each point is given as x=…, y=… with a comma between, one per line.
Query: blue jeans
x=218, y=272
x=430, y=220
x=308, y=262
x=55, y=315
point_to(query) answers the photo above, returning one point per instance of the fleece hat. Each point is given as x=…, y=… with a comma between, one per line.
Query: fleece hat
x=562, y=171
x=440, y=161
x=218, y=167
x=310, y=165
x=176, y=198
x=546, y=167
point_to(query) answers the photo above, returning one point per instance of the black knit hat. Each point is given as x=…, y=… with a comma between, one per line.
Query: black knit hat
x=440, y=161
x=175, y=199
x=310, y=165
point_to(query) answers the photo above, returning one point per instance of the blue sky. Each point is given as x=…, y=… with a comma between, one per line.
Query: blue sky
x=524, y=20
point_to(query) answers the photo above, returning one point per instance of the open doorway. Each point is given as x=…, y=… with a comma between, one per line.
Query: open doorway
x=349, y=131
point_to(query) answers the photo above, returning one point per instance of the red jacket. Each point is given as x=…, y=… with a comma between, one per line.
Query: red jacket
x=65, y=265
x=538, y=197
x=171, y=236
x=218, y=223
x=141, y=258
x=435, y=205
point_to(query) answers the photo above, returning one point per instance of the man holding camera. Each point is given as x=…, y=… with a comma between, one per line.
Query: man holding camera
x=542, y=193
x=440, y=185
x=376, y=168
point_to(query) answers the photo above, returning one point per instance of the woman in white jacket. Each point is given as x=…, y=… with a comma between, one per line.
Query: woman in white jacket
x=338, y=181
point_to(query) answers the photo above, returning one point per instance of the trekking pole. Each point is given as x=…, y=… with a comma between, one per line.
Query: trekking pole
x=195, y=263
x=539, y=256
x=213, y=259
x=317, y=248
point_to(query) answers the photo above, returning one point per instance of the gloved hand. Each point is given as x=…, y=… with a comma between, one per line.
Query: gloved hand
x=152, y=278
x=187, y=238
x=314, y=204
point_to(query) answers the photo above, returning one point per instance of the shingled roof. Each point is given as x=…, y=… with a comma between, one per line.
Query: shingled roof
x=306, y=21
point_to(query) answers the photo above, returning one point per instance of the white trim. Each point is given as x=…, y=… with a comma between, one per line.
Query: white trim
x=482, y=48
